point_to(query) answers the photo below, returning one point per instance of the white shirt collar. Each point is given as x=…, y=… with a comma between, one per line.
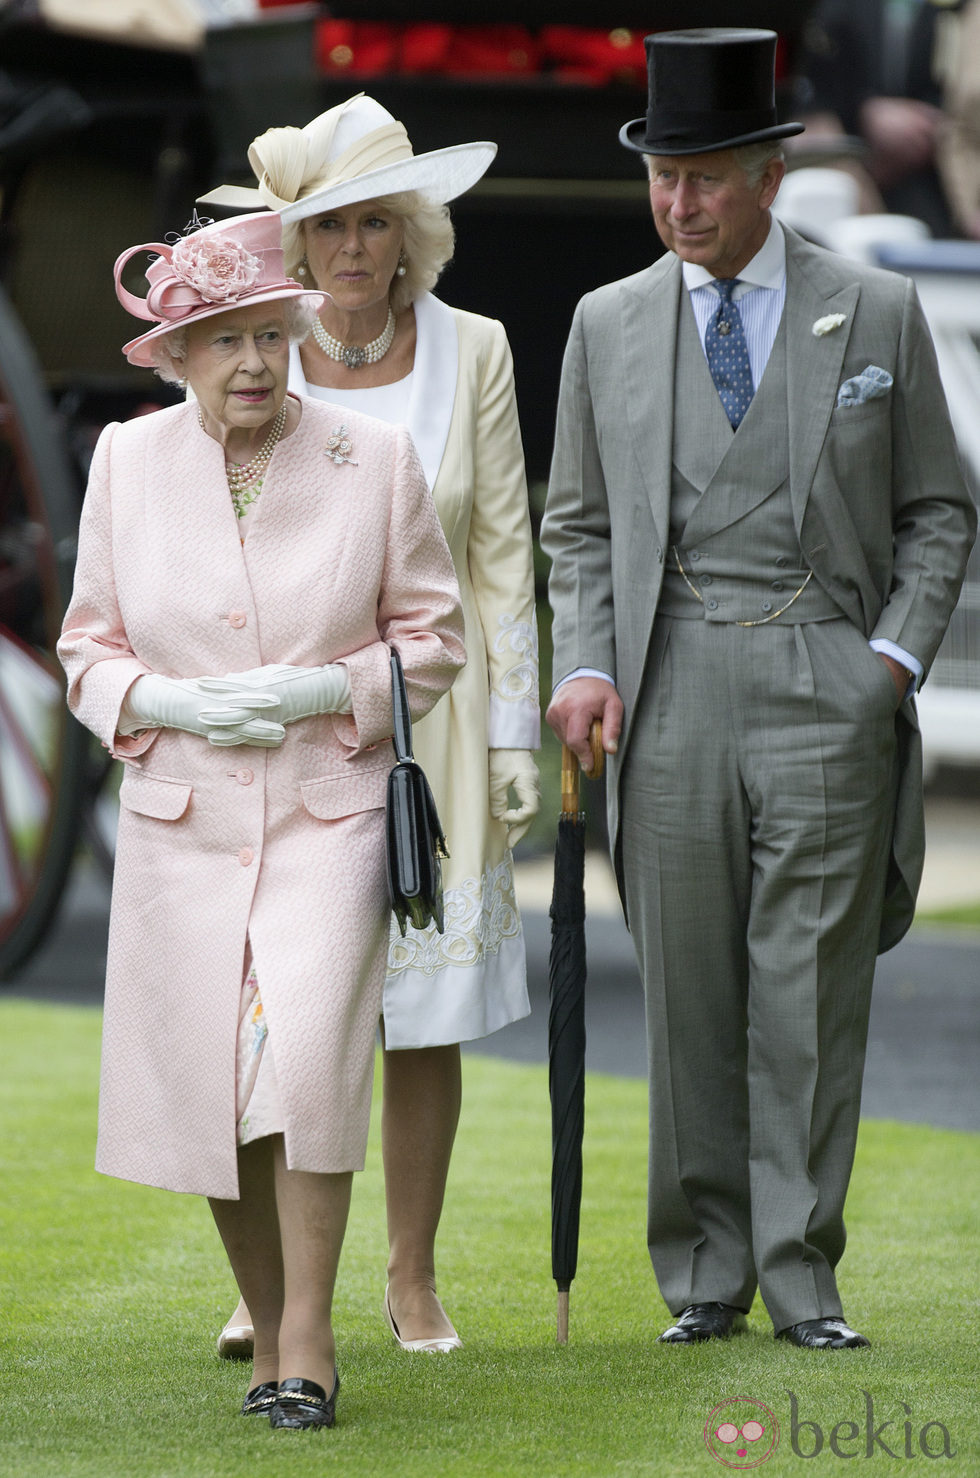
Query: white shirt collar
x=766, y=269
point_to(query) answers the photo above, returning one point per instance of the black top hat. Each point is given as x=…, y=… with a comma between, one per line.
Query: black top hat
x=708, y=89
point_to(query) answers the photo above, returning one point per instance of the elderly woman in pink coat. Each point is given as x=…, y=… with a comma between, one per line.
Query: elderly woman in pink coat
x=245, y=562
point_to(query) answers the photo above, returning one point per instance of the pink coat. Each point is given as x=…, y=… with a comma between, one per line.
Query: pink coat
x=281, y=847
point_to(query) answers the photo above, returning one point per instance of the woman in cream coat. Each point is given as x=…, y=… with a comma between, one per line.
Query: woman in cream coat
x=365, y=220
x=240, y=669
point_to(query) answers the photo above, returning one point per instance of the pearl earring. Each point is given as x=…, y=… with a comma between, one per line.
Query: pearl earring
x=402, y=267
x=303, y=269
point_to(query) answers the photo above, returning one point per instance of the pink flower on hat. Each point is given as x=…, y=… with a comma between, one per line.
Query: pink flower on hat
x=215, y=267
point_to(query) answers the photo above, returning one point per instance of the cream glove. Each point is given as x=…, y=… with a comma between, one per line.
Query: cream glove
x=234, y=717
x=514, y=767
x=301, y=692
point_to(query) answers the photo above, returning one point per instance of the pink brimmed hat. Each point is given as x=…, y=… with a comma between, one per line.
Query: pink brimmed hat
x=221, y=266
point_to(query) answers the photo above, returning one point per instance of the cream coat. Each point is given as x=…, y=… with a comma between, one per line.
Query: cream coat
x=470, y=980
x=284, y=847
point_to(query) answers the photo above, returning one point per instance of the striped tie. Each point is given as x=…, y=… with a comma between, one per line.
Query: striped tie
x=728, y=355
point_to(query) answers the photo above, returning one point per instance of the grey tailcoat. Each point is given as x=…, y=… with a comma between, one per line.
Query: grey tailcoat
x=882, y=512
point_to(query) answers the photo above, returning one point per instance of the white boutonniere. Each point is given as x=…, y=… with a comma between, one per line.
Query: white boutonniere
x=828, y=324
x=339, y=447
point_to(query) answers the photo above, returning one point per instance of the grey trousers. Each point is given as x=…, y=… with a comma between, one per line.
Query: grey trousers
x=757, y=807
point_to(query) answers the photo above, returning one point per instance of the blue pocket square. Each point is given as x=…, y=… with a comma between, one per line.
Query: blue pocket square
x=870, y=384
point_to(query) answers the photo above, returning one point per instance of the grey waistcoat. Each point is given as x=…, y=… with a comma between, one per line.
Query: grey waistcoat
x=731, y=518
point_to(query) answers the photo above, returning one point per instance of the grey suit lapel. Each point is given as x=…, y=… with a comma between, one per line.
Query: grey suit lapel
x=813, y=364
x=703, y=434
x=649, y=326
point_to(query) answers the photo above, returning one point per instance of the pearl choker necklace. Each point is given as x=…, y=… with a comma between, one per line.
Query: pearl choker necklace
x=245, y=479
x=353, y=355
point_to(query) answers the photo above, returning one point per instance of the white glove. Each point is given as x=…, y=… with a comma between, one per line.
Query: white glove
x=300, y=692
x=234, y=717
x=514, y=767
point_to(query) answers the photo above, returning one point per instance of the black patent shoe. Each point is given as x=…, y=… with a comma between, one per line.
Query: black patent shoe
x=260, y=1399
x=824, y=1334
x=704, y=1321
x=302, y=1403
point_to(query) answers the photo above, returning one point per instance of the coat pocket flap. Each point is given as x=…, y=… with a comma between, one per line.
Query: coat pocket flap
x=334, y=796
x=154, y=795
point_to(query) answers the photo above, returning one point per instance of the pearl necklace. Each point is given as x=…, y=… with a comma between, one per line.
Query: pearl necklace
x=353, y=355
x=245, y=479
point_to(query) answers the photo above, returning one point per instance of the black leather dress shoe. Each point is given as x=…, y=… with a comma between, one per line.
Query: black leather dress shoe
x=260, y=1399
x=704, y=1321
x=302, y=1403
x=823, y=1334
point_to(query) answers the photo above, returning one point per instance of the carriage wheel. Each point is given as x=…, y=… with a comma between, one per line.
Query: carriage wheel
x=43, y=751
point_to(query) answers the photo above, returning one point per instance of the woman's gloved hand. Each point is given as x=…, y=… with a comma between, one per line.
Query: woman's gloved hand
x=301, y=692
x=514, y=767
x=234, y=717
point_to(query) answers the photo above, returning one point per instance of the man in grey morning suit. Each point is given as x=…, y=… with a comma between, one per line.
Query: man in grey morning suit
x=758, y=530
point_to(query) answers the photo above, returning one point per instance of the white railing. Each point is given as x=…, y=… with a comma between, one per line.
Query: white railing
x=947, y=277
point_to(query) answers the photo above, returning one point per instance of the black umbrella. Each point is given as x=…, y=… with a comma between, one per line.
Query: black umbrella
x=566, y=1026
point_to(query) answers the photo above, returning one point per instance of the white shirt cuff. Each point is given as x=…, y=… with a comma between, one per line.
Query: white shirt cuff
x=582, y=672
x=882, y=644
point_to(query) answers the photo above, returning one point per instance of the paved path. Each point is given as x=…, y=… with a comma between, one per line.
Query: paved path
x=923, y=1062
x=924, y=1037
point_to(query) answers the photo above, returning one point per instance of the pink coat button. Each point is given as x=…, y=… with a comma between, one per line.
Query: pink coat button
x=244, y=777
x=237, y=619
x=246, y=856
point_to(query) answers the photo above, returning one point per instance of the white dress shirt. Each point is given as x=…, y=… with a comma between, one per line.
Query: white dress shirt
x=760, y=295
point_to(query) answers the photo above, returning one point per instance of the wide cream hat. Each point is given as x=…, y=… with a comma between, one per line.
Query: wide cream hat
x=355, y=151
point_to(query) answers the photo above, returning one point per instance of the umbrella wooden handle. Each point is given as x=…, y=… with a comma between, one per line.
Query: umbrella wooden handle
x=571, y=770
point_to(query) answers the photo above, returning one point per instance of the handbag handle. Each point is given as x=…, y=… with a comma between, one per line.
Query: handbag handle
x=400, y=709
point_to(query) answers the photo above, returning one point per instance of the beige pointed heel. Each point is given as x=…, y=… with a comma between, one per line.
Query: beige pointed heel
x=432, y=1346
x=236, y=1342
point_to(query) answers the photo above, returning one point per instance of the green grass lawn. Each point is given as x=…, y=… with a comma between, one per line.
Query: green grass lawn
x=111, y=1295
x=963, y=915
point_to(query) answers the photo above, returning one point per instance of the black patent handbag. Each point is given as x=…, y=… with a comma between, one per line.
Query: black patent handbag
x=414, y=836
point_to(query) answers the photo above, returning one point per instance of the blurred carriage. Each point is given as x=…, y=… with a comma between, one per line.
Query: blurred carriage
x=116, y=114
